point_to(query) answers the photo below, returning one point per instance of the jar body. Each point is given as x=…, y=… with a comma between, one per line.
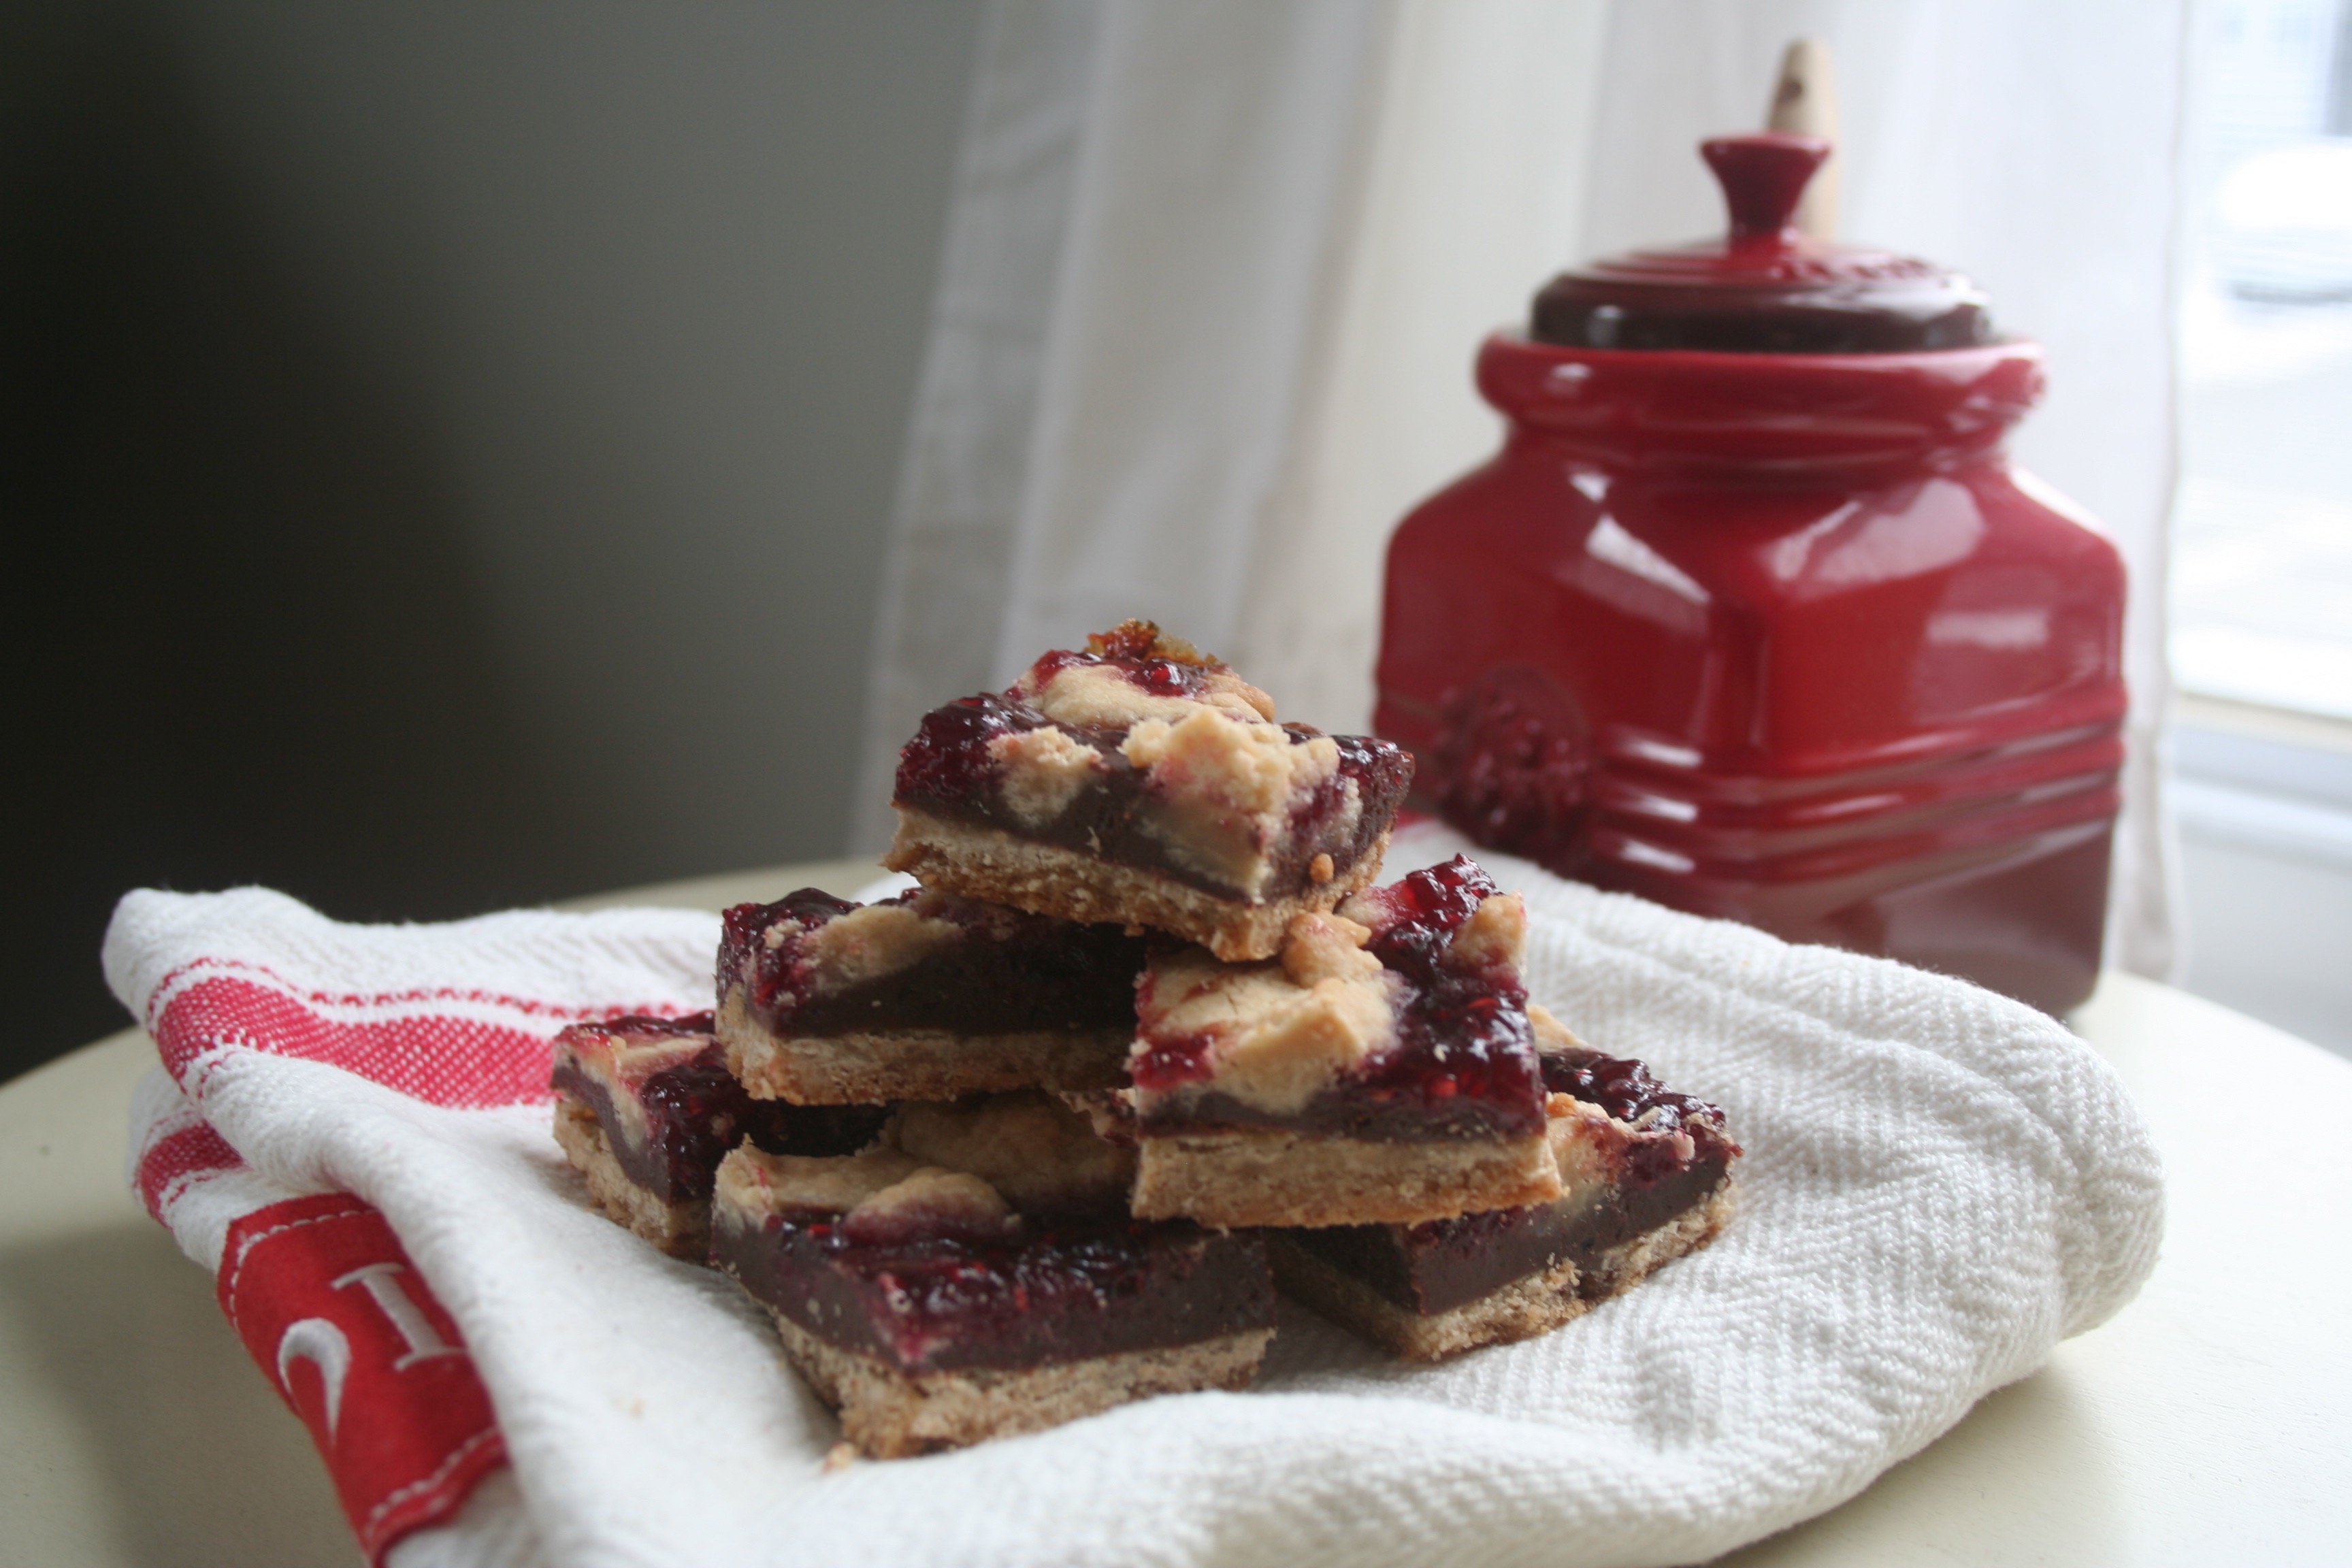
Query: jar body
x=1779, y=638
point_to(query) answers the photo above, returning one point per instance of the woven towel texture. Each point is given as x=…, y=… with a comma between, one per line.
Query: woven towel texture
x=1940, y=1184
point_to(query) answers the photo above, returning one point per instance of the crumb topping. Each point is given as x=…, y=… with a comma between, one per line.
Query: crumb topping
x=1246, y=766
x=932, y=1204
x=1228, y=785
x=1100, y=696
x=756, y=1183
x=1494, y=935
x=1326, y=947
x=871, y=941
x=1043, y=1155
x=1136, y=672
x=1275, y=1043
x=1553, y=1037
x=1584, y=1142
x=1045, y=771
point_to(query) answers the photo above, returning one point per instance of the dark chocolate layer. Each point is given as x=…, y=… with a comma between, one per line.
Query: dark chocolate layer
x=1435, y=1267
x=1012, y=974
x=1074, y=1289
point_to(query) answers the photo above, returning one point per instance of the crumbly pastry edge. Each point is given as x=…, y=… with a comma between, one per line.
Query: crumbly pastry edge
x=1526, y=1307
x=1229, y=1177
x=682, y=1230
x=1051, y=880
x=877, y=1067
x=891, y=1415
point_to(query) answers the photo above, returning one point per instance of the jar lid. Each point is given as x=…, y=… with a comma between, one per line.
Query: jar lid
x=1764, y=288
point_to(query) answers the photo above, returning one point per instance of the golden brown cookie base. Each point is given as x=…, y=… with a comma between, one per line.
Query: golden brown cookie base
x=682, y=1230
x=1049, y=879
x=878, y=1067
x=889, y=1414
x=1535, y=1304
x=1231, y=1177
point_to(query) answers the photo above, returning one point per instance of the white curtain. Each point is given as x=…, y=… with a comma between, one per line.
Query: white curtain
x=1216, y=269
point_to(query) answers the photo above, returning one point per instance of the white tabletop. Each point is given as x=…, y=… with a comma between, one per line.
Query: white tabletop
x=2210, y=1422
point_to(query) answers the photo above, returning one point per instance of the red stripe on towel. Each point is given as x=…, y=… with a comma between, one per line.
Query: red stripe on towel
x=192, y=1151
x=445, y=1061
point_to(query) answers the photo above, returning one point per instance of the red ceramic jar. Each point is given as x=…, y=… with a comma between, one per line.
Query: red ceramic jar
x=1775, y=636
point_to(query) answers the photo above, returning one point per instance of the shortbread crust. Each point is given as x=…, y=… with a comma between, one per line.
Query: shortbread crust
x=1258, y=1176
x=1052, y=879
x=889, y=1414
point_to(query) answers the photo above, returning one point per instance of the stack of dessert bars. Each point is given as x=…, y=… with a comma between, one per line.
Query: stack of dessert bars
x=1046, y=1134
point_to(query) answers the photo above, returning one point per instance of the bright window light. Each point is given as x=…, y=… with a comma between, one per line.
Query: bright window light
x=2261, y=569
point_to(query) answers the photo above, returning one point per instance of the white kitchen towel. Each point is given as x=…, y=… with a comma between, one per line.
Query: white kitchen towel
x=1939, y=1185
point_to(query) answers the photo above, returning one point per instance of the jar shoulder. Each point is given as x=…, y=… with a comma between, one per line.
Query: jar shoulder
x=1531, y=518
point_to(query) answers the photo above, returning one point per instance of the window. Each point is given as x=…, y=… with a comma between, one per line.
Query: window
x=2262, y=562
x=2262, y=589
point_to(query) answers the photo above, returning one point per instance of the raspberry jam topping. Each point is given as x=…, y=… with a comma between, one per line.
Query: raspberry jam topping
x=1067, y=1290
x=948, y=766
x=695, y=1112
x=744, y=933
x=1464, y=1034
x=1629, y=1093
x=1159, y=676
x=1415, y=918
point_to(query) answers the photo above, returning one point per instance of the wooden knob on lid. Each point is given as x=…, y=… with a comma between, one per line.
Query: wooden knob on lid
x=1804, y=103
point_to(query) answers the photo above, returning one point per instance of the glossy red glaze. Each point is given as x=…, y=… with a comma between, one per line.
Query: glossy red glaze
x=1763, y=178
x=1779, y=637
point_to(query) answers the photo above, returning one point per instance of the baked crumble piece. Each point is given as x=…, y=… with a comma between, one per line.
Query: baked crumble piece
x=926, y=995
x=646, y=1108
x=1645, y=1177
x=1380, y=1070
x=976, y=1274
x=1141, y=782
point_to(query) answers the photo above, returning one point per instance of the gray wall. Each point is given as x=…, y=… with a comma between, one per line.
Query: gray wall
x=453, y=442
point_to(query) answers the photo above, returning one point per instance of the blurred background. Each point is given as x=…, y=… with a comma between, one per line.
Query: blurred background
x=454, y=450
x=450, y=444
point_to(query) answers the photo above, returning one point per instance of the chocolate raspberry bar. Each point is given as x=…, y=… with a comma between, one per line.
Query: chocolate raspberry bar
x=1645, y=1176
x=1381, y=1070
x=934, y=1305
x=646, y=1108
x=1141, y=782
x=922, y=997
